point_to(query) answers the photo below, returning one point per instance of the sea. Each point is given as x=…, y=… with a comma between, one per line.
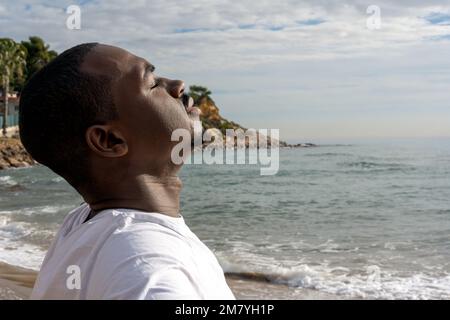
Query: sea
x=366, y=220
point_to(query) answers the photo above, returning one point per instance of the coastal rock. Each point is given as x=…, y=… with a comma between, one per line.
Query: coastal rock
x=303, y=145
x=13, y=154
x=211, y=119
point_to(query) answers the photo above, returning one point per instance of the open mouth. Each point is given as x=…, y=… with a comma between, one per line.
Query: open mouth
x=188, y=102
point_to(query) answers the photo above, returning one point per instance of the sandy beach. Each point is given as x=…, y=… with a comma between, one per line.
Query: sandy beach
x=16, y=284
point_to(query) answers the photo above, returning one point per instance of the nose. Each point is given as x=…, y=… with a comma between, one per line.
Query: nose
x=174, y=87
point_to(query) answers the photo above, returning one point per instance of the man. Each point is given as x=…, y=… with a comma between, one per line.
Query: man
x=99, y=117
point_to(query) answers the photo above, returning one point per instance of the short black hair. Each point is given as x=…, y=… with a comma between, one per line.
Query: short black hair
x=57, y=105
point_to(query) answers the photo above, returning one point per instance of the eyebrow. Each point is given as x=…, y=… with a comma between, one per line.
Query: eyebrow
x=149, y=68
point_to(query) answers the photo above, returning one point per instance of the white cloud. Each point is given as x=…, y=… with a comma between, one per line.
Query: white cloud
x=268, y=51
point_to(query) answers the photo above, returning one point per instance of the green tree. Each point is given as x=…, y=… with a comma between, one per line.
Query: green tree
x=38, y=55
x=199, y=92
x=12, y=63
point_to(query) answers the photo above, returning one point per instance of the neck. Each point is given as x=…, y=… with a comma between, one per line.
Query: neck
x=143, y=192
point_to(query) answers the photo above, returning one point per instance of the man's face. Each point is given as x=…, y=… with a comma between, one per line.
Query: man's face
x=150, y=107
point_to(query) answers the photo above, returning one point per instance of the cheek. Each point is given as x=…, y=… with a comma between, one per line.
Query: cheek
x=170, y=114
x=159, y=116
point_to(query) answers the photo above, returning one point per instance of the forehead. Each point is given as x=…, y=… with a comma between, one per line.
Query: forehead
x=111, y=61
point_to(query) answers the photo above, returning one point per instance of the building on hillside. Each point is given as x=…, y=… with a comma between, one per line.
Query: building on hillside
x=13, y=110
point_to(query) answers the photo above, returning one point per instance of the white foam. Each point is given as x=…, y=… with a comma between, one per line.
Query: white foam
x=25, y=256
x=371, y=283
x=13, y=250
x=21, y=254
x=7, y=180
x=389, y=246
x=37, y=210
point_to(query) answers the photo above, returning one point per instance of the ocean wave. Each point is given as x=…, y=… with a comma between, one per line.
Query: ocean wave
x=370, y=165
x=39, y=210
x=14, y=232
x=327, y=154
x=22, y=244
x=372, y=282
x=7, y=180
x=361, y=166
x=16, y=252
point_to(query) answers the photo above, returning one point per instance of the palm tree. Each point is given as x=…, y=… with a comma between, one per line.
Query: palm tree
x=12, y=62
x=199, y=92
x=38, y=55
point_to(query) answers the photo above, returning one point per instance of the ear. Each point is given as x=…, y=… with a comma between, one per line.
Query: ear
x=106, y=141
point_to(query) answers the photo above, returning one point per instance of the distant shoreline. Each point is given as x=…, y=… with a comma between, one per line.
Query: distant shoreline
x=14, y=155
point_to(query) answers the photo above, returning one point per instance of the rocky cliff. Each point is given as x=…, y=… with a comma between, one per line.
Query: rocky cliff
x=13, y=154
x=211, y=118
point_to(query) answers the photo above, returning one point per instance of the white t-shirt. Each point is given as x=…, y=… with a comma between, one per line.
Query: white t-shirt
x=128, y=254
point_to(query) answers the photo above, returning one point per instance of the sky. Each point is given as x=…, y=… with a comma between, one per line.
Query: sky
x=314, y=70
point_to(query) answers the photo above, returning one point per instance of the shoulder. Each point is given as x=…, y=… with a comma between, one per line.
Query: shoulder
x=143, y=258
x=145, y=238
x=73, y=219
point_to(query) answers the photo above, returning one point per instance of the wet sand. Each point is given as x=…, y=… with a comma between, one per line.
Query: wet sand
x=16, y=284
x=257, y=288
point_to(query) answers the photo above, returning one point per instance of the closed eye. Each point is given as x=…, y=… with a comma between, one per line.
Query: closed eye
x=155, y=83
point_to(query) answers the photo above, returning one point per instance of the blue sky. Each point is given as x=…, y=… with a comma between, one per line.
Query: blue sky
x=310, y=68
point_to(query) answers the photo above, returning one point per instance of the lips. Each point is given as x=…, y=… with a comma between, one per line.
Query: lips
x=188, y=103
